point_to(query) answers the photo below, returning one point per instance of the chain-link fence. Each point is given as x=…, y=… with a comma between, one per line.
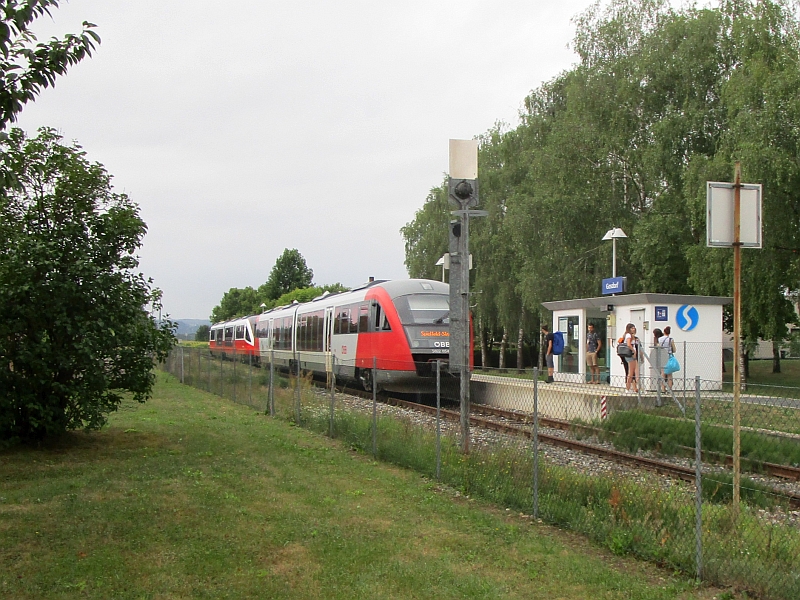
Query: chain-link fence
x=619, y=464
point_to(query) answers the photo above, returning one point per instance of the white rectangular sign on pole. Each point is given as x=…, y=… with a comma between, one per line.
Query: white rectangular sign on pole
x=719, y=214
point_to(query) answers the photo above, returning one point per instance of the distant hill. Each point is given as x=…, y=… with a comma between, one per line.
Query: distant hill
x=186, y=328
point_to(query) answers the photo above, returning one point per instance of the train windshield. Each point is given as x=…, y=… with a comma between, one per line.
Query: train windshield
x=424, y=309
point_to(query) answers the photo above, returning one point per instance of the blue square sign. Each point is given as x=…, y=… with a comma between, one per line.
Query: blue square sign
x=661, y=313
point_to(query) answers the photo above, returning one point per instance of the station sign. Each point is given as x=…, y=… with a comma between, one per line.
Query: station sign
x=615, y=285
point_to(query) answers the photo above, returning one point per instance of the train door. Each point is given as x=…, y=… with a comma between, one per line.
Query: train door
x=327, y=343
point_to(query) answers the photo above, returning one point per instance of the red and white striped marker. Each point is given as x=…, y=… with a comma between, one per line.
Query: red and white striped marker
x=603, y=408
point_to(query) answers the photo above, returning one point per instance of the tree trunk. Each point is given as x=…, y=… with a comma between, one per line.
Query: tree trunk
x=520, y=342
x=484, y=349
x=776, y=356
x=503, y=344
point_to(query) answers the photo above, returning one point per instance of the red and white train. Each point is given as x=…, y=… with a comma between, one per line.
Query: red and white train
x=399, y=327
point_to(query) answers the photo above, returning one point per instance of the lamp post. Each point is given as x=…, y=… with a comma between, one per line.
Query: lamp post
x=614, y=234
x=444, y=262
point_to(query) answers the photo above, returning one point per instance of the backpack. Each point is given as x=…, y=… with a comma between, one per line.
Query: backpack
x=558, y=342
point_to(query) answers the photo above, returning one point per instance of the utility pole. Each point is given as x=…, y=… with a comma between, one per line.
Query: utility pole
x=463, y=194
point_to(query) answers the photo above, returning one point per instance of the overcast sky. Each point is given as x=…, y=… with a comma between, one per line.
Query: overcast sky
x=243, y=128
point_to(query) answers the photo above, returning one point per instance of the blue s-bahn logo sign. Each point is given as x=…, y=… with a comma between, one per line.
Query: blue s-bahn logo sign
x=687, y=317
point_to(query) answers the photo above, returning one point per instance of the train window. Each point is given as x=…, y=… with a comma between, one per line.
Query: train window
x=240, y=332
x=228, y=335
x=316, y=331
x=212, y=336
x=423, y=309
x=342, y=320
x=363, y=318
x=247, y=335
x=354, y=318
x=381, y=323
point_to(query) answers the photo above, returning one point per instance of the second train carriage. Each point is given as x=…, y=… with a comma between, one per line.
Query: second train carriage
x=399, y=327
x=234, y=338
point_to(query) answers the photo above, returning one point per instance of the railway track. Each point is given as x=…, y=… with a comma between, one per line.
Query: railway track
x=775, y=470
x=521, y=425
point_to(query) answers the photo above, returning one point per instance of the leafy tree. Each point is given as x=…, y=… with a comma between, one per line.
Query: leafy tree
x=308, y=294
x=661, y=101
x=29, y=66
x=289, y=273
x=236, y=302
x=201, y=335
x=426, y=236
x=75, y=332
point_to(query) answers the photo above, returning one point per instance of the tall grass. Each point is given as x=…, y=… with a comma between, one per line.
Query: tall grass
x=643, y=518
x=637, y=429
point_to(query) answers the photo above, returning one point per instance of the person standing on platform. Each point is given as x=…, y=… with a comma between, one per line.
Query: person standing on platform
x=668, y=344
x=548, y=356
x=593, y=345
x=630, y=340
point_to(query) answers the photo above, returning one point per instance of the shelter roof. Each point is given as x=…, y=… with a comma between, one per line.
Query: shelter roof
x=602, y=302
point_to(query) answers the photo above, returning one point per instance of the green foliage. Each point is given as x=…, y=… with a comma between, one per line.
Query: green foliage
x=248, y=301
x=308, y=294
x=289, y=273
x=201, y=335
x=635, y=429
x=28, y=66
x=426, y=236
x=661, y=101
x=236, y=302
x=75, y=333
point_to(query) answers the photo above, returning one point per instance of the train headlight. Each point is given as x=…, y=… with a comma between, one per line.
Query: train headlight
x=415, y=344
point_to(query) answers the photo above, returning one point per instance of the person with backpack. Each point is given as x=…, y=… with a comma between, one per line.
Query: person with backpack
x=548, y=356
x=632, y=342
x=668, y=344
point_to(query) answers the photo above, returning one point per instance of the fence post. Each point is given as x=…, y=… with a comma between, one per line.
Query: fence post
x=333, y=393
x=182, y=377
x=221, y=378
x=536, y=443
x=698, y=474
x=235, y=360
x=374, y=407
x=438, y=420
x=271, y=394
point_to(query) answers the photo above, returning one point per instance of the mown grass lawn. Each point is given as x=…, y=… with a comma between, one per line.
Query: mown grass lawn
x=190, y=496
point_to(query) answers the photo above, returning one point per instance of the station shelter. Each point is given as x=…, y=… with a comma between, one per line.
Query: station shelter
x=696, y=327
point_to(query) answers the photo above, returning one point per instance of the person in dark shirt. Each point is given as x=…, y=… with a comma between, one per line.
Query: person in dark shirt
x=593, y=345
x=548, y=356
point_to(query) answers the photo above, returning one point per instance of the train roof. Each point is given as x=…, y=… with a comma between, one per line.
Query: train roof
x=404, y=287
x=395, y=288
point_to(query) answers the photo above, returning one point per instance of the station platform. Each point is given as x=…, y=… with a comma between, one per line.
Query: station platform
x=558, y=400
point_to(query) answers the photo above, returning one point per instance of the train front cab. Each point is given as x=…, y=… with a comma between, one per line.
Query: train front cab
x=409, y=334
